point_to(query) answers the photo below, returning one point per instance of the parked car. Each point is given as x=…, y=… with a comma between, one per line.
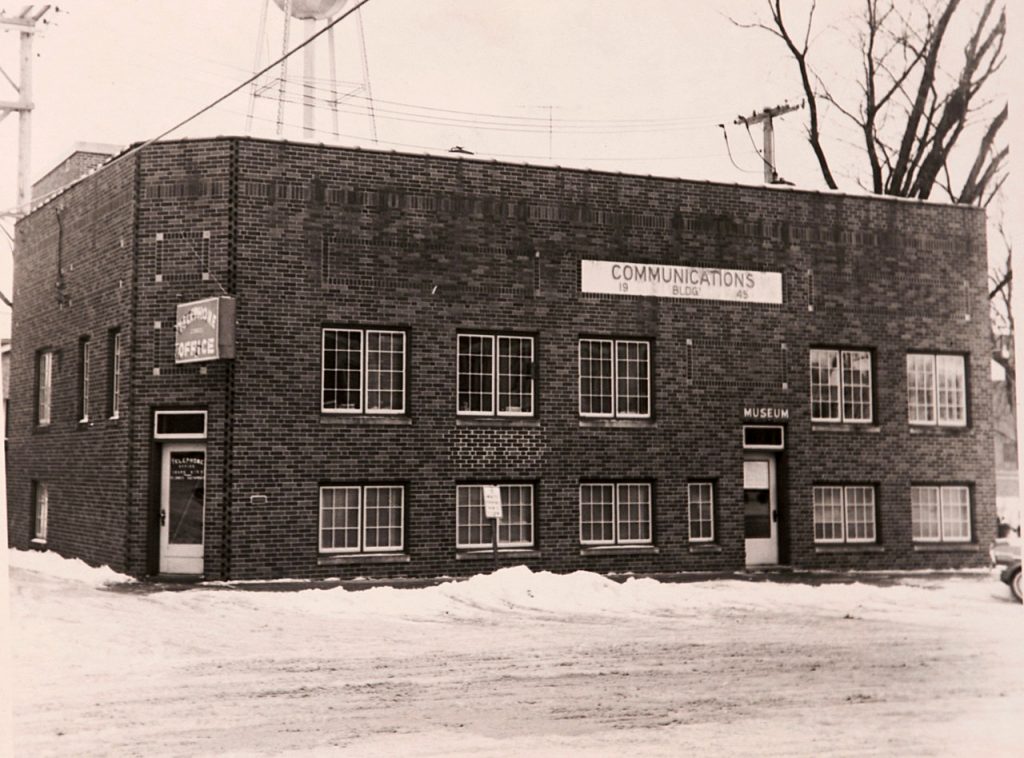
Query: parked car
x=1006, y=552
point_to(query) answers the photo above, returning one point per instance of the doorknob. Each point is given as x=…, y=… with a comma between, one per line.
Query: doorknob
x=163, y=517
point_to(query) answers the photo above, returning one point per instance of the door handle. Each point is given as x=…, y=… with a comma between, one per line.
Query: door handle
x=775, y=516
x=163, y=517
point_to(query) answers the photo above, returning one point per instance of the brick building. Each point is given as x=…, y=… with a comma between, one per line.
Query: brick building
x=645, y=374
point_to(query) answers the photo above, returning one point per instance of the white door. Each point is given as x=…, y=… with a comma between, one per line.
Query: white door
x=761, y=515
x=182, y=508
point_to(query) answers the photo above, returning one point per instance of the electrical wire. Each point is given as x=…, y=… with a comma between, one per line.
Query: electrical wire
x=729, y=150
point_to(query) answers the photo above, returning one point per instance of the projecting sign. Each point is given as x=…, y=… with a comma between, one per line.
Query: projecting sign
x=689, y=282
x=205, y=330
x=492, y=502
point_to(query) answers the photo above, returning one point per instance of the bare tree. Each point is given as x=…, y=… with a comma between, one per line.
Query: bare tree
x=910, y=113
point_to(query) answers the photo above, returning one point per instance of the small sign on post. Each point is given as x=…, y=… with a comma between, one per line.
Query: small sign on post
x=492, y=510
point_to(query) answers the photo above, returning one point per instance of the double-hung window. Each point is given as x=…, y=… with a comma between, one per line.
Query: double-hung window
x=615, y=514
x=84, y=355
x=363, y=371
x=701, y=504
x=936, y=389
x=474, y=530
x=362, y=519
x=495, y=375
x=615, y=378
x=844, y=514
x=41, y=507
x=115, y=373
x=44, y=392
x=940, y=514
x=841, y=385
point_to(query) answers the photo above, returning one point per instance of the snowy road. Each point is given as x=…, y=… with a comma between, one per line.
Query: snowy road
x=516, y=664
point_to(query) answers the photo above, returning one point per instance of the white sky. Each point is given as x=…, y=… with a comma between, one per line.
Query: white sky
x=637, y=87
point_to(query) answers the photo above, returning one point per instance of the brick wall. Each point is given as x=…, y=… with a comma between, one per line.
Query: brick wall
x=308, y=236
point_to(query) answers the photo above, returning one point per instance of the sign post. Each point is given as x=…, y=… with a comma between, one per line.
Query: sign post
x=492, y=510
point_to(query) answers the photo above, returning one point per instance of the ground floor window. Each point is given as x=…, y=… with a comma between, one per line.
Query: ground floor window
x=701, y=501
x=844, y=514
x=940, y=514
x=615, y=514
x=362, y=519
x=474, y=530
x=40, y=511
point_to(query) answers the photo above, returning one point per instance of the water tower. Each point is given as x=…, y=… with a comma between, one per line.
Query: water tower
x=312, y=13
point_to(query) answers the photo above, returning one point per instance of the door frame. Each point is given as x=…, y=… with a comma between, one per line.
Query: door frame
x=188, y=560
x=772, y=549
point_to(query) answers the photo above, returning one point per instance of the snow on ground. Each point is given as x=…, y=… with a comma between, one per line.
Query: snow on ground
x=515, y=663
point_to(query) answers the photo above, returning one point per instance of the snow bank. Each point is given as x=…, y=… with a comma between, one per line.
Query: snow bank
x=56, y=566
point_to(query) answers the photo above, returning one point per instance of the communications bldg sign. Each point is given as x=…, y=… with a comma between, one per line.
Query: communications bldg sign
x=687, y=282
x=205, y=330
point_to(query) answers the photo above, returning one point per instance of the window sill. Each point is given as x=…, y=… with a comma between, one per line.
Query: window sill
x=497, y=421
x=818, y=426
x=37, y=543
x=618, y=423
x=861, y=547
x=941, y=431
x=474, y=554
x=705, y=547
x=343, y=559
x=360, y=419
x=620, y=550
x=946, y=547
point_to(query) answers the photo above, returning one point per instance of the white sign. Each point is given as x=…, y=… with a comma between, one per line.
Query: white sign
x=492, y=502
x=688, y=282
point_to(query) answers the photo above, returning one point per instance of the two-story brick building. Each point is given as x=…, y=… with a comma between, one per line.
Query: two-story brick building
x=640, y=374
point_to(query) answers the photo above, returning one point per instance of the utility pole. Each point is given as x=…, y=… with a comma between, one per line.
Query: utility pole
x=25, y=23
x=771, y=176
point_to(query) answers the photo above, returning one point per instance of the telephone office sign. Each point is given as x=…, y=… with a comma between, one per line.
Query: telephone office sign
x=205, y=330
x=686, y=282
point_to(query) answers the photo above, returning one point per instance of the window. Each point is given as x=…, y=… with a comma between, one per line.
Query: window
x=844, y=514
x=83, y=378
x=841, y=385
x=495, y=375
x=363, y=371
x=936, y=390
x=115, y=373
x=701, y=497
x=615, y=378
x=366, y=519
x=940, y=514
x=615, y=514
x=41, y=498
x=44, y=395
x=474, y=530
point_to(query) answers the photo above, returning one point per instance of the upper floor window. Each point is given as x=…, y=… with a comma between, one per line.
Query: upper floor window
x=940, y=514
x=841, y=385
x=615, y=514
x=44, y=394
x=366, y=519
x=115, y=373
x=615, y=378
x=515, y=527
x=495, y=375
x=363, y=371
x=84, y=356
x=844, y=514
x=936, y=389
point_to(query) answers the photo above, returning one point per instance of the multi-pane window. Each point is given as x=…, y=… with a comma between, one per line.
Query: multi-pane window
x=615, y=378
x=495, y=375
x=115, y=374
x=368, y=519
x=936, y=389
x=844, y=514
x=940, y=514
x=615, y=514
x=841, y=385
x=84, y=353
x=515, y=527
x=363, y=371
x=41, y=507
x=44, y=393
x=701, y=501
